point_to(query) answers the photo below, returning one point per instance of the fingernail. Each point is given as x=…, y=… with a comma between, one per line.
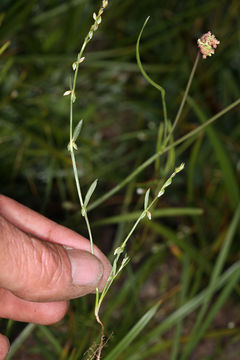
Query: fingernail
x=87, y=270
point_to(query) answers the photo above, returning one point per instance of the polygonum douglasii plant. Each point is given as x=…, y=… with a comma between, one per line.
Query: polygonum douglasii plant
x=165, y=142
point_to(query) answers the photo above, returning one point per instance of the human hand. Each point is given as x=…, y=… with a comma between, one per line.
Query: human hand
x=42, y=266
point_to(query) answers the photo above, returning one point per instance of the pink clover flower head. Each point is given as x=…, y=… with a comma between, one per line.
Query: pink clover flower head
x=207, y=44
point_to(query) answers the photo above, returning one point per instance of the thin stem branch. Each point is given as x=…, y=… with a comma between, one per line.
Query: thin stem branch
x=184, y=97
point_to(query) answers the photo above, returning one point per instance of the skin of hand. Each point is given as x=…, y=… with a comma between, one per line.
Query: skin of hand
x=42, y=266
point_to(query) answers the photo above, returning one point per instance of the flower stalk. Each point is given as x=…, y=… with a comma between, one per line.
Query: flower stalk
x=72, y=93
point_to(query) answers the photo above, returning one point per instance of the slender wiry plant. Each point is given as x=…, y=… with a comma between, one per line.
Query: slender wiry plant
x=116, y=268
x=207, y=44
x=74, y=134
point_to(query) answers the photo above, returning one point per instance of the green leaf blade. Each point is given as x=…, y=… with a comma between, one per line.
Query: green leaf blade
x=90, y=192
x=146, y=199
x=133, y=333
x=77, y=130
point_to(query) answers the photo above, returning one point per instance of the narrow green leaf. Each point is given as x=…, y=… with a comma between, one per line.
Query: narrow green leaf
x=186, y=246
x=133, y=333
x=77, y=130
x=182, y=300
x=167, y=212
x=168, y=182
x=228, y=173
x=150, y=160
x=187, y=308
x=18, y=342
x=90, y=192
x=4, y=47
x=52, y=339
x=192, y=168
x=146, y=199
x=218, y=303
x=220, y=262
x=114, y=268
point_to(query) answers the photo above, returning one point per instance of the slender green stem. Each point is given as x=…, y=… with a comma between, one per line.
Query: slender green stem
x=72, y=146
x=118, y=252
x=71, y=125
x=153, y=83
x=84, y=211
x=76, y=178
x=89, y=231
x=80, y=54
x=73, y=158
x=184, y=97
x=150, y=160
x=72, y=99
x=114, y=272
x=132, y=230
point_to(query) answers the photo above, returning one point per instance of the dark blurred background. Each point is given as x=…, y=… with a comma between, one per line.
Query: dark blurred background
x=122, y=113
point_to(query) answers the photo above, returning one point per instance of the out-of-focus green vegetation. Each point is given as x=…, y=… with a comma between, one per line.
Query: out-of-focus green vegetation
x=191, y=244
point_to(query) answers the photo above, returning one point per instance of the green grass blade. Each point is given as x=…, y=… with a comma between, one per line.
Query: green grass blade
x=150, y=160
x=184, y=245
x=138, y=353
x=215, y=275
x=182, y=300
x=47, y=333
x=189, y=307
x=20, y=340
x=191, y=169
x=56, y=11
x=133, y=333
x=167, y=212
x=131, y=288
x=4, y=47
x=212, y=313
x=229, y=177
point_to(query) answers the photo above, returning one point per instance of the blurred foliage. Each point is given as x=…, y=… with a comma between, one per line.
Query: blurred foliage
x=121, y=115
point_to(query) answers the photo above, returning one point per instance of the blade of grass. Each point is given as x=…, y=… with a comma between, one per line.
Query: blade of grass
x=150, y=160
x=182, y=299
x=229, y=177
x=47, y=333
x=214, y=278
x=191, y=169
x=167, y=212
x=20, y=340
x=9, y=327
x=4, y=47
x=56, y=11
x=140, y=277
x=133, y=333
x=186, y=246
x=212, y=313
x=187, y=308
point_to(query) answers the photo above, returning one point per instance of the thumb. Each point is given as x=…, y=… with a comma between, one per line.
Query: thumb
x=41, y=271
